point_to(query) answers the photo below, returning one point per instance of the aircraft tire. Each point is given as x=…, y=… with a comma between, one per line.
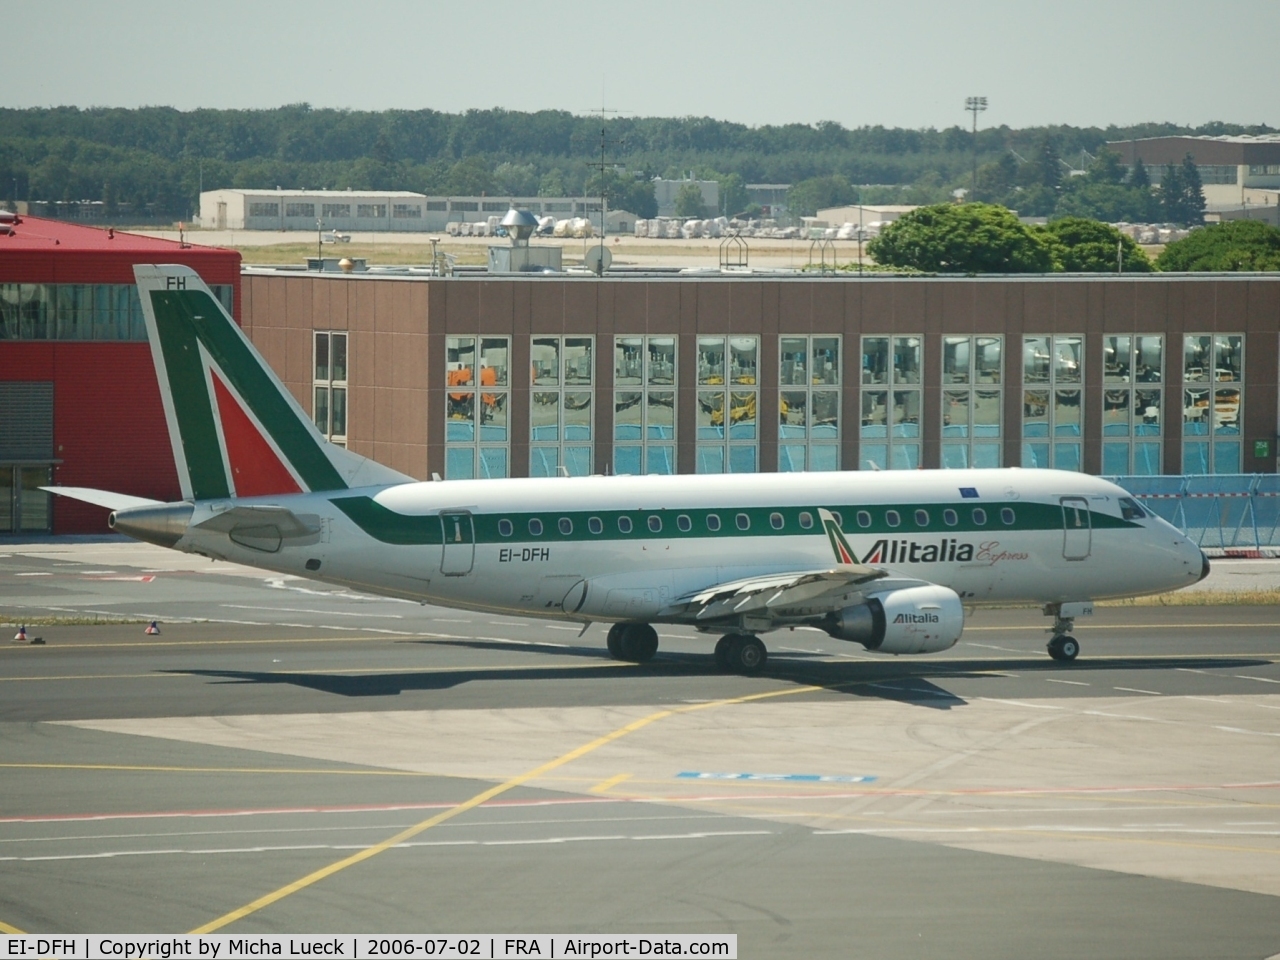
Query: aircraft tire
x=749, y=655
x=615, y=641
x=1064, y=648
x=724, y=651
x=639, y=642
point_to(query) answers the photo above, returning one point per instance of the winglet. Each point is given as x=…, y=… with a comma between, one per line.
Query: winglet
x=839, y=545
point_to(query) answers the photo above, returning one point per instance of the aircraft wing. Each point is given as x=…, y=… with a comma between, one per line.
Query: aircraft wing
x=794, y=596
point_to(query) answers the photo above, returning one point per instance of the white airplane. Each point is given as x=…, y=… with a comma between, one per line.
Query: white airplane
x=889, y=560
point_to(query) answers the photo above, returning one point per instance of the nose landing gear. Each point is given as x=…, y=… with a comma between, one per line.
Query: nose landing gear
x=1063, y=646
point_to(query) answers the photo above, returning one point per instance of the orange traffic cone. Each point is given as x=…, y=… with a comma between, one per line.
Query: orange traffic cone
x=21, y=635
x=153, y=630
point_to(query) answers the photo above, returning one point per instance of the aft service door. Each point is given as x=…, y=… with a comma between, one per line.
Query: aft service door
x=459, y=551
x=1077, y=535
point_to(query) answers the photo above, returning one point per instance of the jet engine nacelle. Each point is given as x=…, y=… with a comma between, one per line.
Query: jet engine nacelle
x=922, y=619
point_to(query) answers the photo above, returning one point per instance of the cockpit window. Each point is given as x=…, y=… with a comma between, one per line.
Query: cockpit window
x=1130, y=509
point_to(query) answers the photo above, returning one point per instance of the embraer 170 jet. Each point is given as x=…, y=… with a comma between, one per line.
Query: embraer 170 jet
x=889, y=560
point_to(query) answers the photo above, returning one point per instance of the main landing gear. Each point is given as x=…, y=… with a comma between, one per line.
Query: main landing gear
x=638, y=642
x=1063, y=646
x=741, y=653
x=633, y=642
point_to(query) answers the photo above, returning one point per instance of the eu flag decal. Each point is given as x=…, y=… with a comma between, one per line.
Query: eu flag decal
x=969, y=493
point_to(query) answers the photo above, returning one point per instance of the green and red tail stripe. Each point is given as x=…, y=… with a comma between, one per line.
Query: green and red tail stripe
x=839, y=545
x=236, y=430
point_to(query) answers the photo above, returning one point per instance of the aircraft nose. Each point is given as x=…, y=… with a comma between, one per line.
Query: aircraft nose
x=1204, y=565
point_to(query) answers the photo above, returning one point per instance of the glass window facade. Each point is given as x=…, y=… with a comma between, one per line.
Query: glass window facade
x=809, y=403
x=1212, y=402
x=1132, y=404
x=890, y=428
x=79, y=311
x=329, y=385
x=972, y=378
x=1053, y=402
x=560, y=409
x=728, y=438
x=24, y=507
x=644, y=404
x=477, y=432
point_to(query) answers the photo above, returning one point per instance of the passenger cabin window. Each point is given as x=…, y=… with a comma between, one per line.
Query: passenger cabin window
x=979, y=516
x=743, y=521
x=949, y=518
x=775, y=521
x=624, y=524
x=594, y=525
x=684, y=523
x=566, y=526
x=655, y=524
x=922, y=518
x=864, y=519
x=535, y=527
x=806, y=520
x=837, y=517
x=891, y=518
x=1007, y=517
x=713, y=521
x=504, y=528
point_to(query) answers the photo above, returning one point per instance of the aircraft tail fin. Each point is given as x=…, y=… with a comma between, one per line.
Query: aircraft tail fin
x=236, y=430
x=839, y=545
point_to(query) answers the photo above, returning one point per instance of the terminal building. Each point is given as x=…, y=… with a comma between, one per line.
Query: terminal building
x=1240, y=174
x=390, y=211
x=79, y=403
x=539, y=376
x=545, y=375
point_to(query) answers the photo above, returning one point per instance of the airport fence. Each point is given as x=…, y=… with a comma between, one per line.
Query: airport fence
x=1235, y=514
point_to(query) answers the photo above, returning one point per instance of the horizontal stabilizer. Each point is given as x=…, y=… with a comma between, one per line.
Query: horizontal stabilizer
x=102, y=498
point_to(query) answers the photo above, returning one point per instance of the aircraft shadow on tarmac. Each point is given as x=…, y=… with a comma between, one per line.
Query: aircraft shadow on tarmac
x=915, y=683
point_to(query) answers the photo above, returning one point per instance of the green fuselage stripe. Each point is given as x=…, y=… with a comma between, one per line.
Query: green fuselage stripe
x=388, y=526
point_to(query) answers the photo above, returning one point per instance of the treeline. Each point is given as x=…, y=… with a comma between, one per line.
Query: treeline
x=157, y=158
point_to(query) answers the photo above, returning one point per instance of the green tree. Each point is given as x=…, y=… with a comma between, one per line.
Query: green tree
x=1192, y=192
x=689, y=201
x=1081, y=245
x=962, y=238
x=1233, y=245
x=1139, y=179
x=1108, y=202
x=997, y=181
x=1172, y=195
x=552, y=184
x=1106, y=168
x=806, y=198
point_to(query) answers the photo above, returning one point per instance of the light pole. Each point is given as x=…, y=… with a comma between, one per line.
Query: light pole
x=975, y=105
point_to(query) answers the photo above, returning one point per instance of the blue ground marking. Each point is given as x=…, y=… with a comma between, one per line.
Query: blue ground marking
x=790, y=777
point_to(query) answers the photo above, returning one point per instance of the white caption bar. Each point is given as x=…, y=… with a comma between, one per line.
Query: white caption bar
x=491, y=946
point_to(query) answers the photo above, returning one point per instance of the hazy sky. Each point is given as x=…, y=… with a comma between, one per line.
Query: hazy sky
x=896, y=63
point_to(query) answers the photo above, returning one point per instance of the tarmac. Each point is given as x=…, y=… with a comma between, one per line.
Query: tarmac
x=354, y=764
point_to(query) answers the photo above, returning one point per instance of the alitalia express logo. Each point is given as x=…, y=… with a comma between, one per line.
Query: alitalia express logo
x=916, y=618
x=946, y=550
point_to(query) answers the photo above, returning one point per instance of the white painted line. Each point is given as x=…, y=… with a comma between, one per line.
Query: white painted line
x=1189, y=670
x=1154, y=693
x=42, y=573
x=1074, y=683
x=1020, y=703
x=1242, y=676
x=1256, y=733
x=547, y=840
x=318, y=613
